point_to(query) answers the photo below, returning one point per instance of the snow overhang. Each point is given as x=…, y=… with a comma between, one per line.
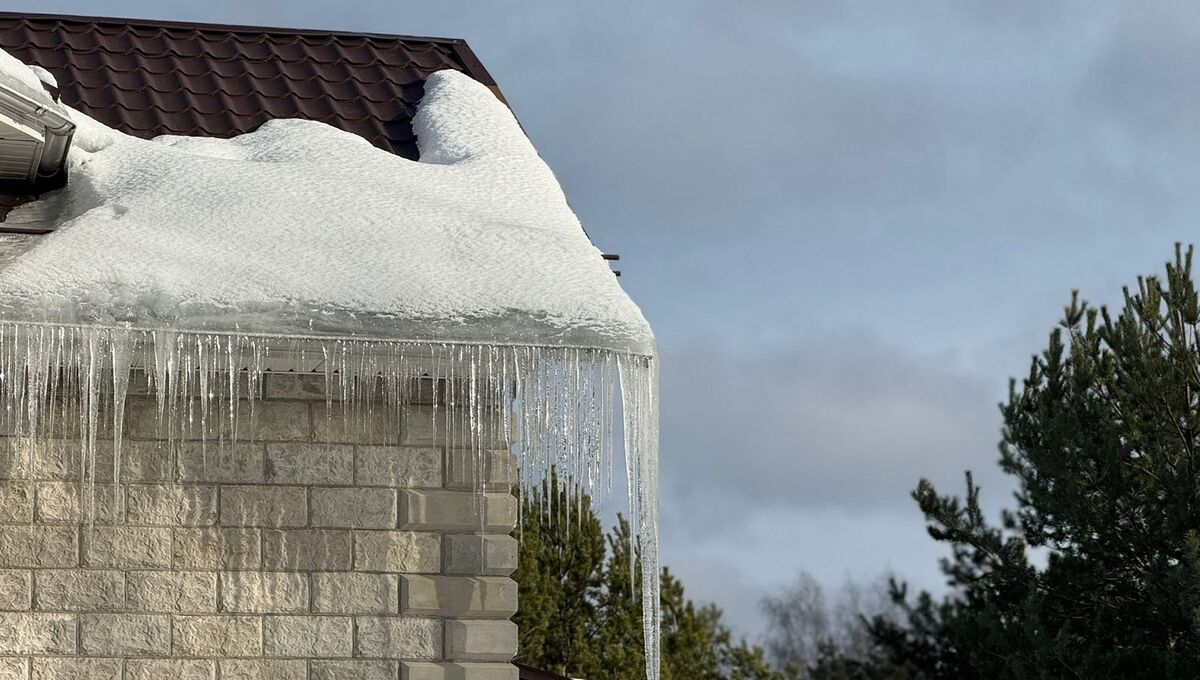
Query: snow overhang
x=300, y=229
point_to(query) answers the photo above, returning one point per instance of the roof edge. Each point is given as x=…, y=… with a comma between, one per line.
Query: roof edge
x=226, y=28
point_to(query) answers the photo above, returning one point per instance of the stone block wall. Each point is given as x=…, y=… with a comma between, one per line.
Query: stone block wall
x=310, y=550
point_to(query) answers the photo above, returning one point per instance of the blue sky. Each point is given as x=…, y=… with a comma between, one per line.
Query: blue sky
x=848, y=222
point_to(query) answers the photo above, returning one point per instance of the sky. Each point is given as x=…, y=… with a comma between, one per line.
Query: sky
x=850, y=223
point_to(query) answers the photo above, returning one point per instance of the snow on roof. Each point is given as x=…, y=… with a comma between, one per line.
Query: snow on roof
x=300, y=228
x=26, y=80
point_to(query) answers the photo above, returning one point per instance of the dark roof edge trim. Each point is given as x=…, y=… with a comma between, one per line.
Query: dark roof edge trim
x=227, y=28
x=475, y=67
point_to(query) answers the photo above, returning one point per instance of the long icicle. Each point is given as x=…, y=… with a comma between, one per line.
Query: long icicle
x=555, y=406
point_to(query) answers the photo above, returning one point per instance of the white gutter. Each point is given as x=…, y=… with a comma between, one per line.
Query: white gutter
x=57, y=126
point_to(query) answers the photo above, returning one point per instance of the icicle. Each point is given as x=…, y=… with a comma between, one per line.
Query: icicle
x=121, y=357
x=554, y=406
x=639, y=388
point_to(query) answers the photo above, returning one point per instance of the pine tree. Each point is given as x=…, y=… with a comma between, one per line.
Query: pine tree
x=580, y=606
x=1103, y=439
x=560, y=571
x=616, y=633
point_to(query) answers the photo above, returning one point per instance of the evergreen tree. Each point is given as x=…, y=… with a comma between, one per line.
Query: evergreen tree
x=560, y=571
x=1103, y=439
x=581, y=612
x=617, y=636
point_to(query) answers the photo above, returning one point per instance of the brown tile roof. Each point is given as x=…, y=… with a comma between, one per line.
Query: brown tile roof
x=149, y=78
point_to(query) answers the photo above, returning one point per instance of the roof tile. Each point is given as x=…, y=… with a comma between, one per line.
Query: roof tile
x=150, y=78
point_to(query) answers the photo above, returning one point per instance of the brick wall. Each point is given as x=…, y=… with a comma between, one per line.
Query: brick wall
x=308, y=551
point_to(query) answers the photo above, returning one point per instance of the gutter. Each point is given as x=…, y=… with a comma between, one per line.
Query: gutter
x=57, y=126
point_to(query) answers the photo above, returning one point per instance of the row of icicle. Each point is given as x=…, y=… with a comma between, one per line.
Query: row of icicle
x=556, y=407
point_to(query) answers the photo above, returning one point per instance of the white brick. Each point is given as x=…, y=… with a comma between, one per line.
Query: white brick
x=491, y=597
x=141, y=461
x=264, y=421
x=228, y=464
x=170, y=669
x=457, y=511
x=77, y=669
x=487, y=555
x=425, y=670
x=499, y=468
x=333, y=427
x=39, y=546
x=353, y=670
x=174, y=592
x=308, y=636
x=398, y=638
x=172, y=505
x=217, y=636
x=37, y=633
x=420, y=429
x=397, y=551
x=303, y=386
x=398, y=466
x=80, y=590
x=260, y=592
x=481, y=640
x=308, y=463
x=279, y=421
x=14, y=465
x=254, y=669
x=217, y=549
x=125, y=634
x=273, y=506
x=14, y=669
x=16, y=503
x=354, y=593
x=307, y=550
x=16, y=591
x=67, y=502
x=127, y=547
x=354, y=508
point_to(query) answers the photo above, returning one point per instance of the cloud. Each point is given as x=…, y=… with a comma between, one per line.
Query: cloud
x=737, y=569
x=1144, y=78
x=833, y=421
x=803, y=455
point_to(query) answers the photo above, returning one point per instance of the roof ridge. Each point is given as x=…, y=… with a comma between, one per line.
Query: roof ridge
x=332, y=116
x=284, y=39
x=222, y=28
x=273, y=78
x=150, y=78
x=161, y=54
x=362, y=94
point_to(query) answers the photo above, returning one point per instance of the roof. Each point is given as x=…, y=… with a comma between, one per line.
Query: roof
x=149, y=78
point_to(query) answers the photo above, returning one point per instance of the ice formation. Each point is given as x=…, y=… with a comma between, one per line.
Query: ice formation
x=205, y=262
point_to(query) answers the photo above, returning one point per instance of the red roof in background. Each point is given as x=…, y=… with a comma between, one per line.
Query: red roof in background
x=149, y=78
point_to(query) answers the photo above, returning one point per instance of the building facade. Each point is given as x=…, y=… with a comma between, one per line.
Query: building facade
x=311, y=549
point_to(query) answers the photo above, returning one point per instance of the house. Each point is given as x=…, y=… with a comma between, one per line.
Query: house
x=284, y=317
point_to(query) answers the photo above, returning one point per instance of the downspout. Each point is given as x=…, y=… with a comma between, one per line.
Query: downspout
x=59, y=132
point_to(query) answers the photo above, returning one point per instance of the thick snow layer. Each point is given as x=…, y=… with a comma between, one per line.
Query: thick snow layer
x=301, y=228
x=24, y=79
x=44, y=75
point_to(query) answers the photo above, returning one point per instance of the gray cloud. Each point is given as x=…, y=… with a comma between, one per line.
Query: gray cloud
x=1145, y=78
x=841, y=422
